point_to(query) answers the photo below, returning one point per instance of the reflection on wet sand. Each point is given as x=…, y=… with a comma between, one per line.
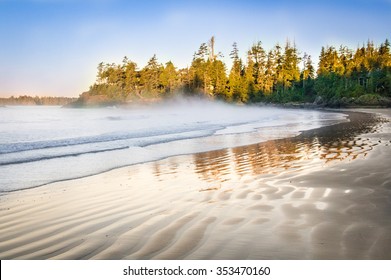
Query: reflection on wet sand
x=338, y=143
x=277, y=194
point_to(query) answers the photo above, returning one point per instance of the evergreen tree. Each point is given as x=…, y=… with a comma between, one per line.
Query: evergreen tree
x=131, y=75
x=270, y=74
x=383, y=85
x=250, y=77
x=150, y=75
x=198, y=69
x=255, y=70
x=237, y=82
x=307, y=76
x=218, y=79
x=278, y=86
x=290, y=67
x=308, y=68
x=168, y=77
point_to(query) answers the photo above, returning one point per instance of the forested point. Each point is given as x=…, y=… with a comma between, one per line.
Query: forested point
x=36, y=100
x=281, y=75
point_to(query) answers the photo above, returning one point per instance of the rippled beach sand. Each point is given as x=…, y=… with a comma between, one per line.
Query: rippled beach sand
x=325, y=194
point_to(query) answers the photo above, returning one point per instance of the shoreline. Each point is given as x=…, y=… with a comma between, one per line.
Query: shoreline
x=262, y=135
x=264, y=201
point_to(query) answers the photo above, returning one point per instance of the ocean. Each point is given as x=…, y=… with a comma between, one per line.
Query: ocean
x=41, y=145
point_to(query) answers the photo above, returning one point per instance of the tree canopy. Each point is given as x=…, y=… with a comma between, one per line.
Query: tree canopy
x=36, y=100
x=281, y=74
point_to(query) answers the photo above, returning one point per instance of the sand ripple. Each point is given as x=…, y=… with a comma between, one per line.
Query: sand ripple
x=323, y=195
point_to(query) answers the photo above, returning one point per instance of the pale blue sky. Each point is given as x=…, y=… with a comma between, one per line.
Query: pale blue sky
x=52, y=47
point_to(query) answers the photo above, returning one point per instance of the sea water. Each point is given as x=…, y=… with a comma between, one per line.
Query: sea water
x=40, y=145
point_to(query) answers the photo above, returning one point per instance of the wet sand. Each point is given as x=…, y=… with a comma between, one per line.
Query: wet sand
x=325, y=194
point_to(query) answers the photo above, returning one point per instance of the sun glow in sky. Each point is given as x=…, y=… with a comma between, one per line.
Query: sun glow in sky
x=52, y=47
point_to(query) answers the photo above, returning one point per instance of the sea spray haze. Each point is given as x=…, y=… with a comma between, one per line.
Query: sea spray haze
x=39, y=145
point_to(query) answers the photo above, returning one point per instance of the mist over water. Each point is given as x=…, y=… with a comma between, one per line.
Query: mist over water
x=39, y=145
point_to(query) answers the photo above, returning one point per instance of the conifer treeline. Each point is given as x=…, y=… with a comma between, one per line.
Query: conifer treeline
x=36, y=100
x=281, y=74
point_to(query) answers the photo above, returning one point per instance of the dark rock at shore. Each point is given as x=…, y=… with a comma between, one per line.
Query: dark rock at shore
x=318, y=101
x=373, y=100
x=366, y=100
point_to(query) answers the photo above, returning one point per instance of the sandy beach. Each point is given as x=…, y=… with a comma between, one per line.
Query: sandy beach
x=325, y=194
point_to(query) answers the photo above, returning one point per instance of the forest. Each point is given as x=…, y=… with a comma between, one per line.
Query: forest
x=26, y=100
x=280, y=75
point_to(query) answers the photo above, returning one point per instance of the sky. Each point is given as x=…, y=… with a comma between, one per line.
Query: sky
x=53, y=47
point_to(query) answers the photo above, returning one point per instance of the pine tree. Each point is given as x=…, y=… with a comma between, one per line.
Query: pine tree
x=198, y=68
x=218, y=79
x=307, y=76
x=383, y=85
x=290, y=66
x=131, y=75
x=328, y=61
x=256, y=68
x=308, y=69
x=212, y=55
x=168, y=77
x=270, y=74
x=237, y=82
x=278, y=69
x=150, y=76
x=250, y=76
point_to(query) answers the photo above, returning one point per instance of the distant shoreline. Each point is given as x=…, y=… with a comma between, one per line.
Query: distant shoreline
x=95, y=101
x=365, y=101
x=25, y=100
